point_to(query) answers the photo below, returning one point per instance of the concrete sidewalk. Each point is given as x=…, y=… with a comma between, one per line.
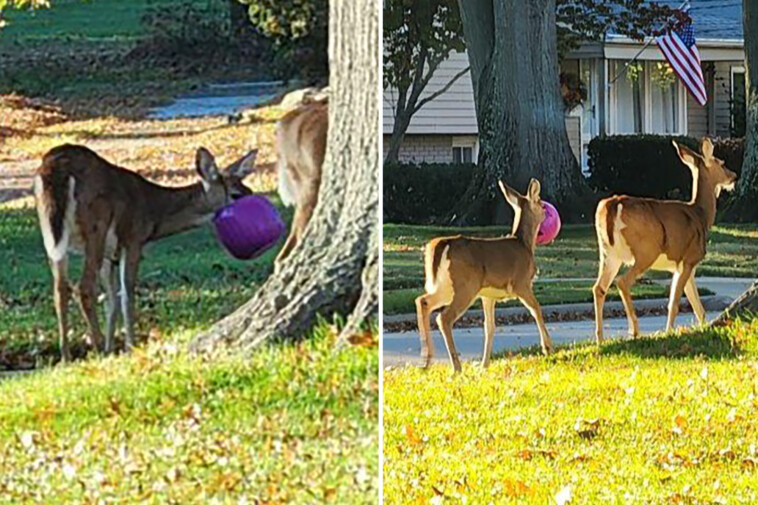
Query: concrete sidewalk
x=402, y=348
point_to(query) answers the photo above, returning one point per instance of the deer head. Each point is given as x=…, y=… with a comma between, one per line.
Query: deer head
x=528, y=210
x=708, y=172
x=221, y=187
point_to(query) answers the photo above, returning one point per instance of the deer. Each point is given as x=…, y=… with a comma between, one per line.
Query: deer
x=108, y=214
x=669, y=235
x=459, y=269
x=301, y=146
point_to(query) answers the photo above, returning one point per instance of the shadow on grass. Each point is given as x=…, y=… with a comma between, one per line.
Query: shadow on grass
x=716, y=344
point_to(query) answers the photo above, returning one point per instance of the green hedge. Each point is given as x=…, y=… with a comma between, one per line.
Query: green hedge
x=425, y=193
x=647, y=165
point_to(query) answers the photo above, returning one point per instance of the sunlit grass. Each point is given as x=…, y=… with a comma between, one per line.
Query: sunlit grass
x=664, y=419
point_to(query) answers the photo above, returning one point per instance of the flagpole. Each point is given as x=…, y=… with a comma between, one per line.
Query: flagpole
x=647, y=44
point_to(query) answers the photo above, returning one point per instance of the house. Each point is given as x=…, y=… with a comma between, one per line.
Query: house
x=646, y=100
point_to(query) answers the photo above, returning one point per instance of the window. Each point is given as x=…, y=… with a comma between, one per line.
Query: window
x=737, y=102
x=463, y=154
x=646, y=98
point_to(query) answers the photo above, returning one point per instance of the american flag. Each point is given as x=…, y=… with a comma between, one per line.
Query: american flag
x=679, y=48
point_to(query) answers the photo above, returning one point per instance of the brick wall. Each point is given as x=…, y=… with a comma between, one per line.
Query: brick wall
x=424, y=148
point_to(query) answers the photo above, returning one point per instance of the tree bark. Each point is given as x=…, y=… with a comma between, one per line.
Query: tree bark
x=335, y=268
x=512, y=49
x=239, y=20
x=746, y=304
x=743, y=207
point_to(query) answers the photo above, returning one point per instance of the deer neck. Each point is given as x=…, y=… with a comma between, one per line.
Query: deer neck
x=179, y=209
x=525, y=231
x=704, y=199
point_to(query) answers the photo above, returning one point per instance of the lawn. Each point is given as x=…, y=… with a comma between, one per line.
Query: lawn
x=291, y=424
x=732, y=252
x=663, y=419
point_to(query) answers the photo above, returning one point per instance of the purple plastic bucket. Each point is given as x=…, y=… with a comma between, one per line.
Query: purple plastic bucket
x=248, y=227
x=550, y=226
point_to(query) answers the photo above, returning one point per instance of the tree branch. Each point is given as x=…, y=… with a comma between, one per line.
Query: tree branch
x=440, y=91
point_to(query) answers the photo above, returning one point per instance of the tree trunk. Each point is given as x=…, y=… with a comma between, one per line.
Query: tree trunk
x=747, y=303
x=743, y=207
x=335, y=268
x=512, y=49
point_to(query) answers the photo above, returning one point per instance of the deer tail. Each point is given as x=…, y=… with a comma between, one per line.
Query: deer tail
x=54, y=193
x=434, y=254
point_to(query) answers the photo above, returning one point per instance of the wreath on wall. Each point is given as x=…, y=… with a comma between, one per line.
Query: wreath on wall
x=573, y=91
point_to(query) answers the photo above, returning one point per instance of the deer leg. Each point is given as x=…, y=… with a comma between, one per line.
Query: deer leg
x=445, y=321
x=88, y=287
x=677, y=288
x=128, y=266
x=625, y=284
x=303, y=213
x=425, y=305
x=606, y=273
x=690, y=289
x=488, y=306
x=533, y=306
x=109, y=281
x=62, y=294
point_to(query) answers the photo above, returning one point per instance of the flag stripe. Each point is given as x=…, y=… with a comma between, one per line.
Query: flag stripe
x=684, y=71
x=684, y=60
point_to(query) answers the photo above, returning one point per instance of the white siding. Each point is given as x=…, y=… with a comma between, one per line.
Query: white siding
x=451, y=113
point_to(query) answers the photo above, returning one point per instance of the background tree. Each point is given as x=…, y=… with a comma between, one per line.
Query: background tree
x=742, y=205
x=513, y=51
x=335, y=268
x=747, y=188
x=418, y=36
x=300, y=30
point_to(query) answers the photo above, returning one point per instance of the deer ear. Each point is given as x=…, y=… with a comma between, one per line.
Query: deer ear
x=511, y=195
x=534, y=190
x=206, y=166
x=687, y=155
x=706, y=147
x=244, y=166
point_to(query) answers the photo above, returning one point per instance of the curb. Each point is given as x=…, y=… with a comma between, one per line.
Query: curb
x=554, y=312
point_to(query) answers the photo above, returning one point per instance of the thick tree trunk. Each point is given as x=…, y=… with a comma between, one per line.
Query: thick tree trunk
x=512, y=49
x=747, y=303
x=239, y=20
x=335, y=269
x=743, y=207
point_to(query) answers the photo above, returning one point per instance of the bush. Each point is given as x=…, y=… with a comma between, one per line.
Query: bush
x=423, y=194
x=648, y=165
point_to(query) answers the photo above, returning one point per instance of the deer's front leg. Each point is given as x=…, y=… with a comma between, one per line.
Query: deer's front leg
x=488, y=305
x=532, y=305
x=677, y=288
x=690, y=289
x=128, y=265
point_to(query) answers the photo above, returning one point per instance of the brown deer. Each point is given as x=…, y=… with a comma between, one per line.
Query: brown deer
x=460, y=269
x=669, y=235
x=88, y=205
x=301, y=145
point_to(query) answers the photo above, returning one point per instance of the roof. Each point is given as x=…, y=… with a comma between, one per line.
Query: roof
x=713, y=19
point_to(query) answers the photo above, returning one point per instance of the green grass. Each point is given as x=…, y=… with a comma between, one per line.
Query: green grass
x=291, y=424
x=95, y=19
x=732, y=252
x=663, y=419
x=186, y=282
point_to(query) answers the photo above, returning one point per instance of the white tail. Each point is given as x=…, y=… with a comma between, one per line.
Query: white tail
x=107, y=213
x=460, y=269
x=661, y=235
x=301, y=145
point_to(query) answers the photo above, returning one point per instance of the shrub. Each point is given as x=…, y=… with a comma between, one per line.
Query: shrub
x=423, y=194
x=648, y=165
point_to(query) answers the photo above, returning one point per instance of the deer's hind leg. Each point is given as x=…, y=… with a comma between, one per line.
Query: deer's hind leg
x=425, y=305
x=607, y=271
x=93, y=260
x=462, y=299
x=625, y=284
x=488, y=307
x=109, y=281
x=61, y=295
